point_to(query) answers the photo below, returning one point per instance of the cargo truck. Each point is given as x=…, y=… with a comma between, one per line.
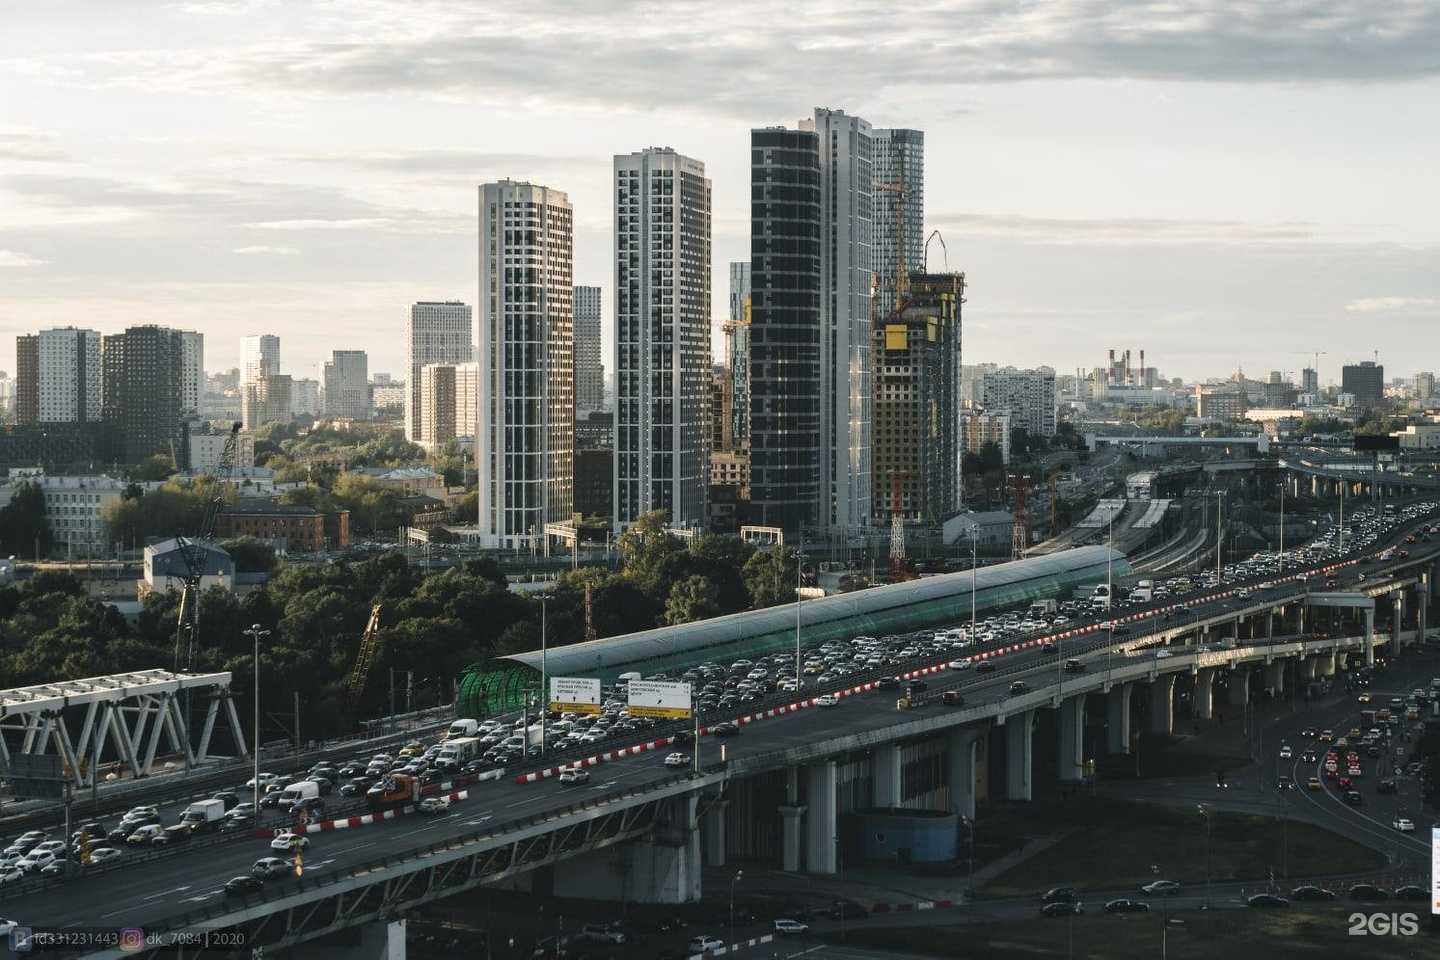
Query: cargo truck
x=1043, y=608
x=203, y=815
x=458, y=751
x=394, y=790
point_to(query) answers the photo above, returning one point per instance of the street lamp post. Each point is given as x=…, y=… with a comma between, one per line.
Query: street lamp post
x=974, y=568
x=544, y=675
x=1282, y=527
x=1206, y=814
x=734, y=880
x=799, y=559
x=255, y=633
x=1218, y=511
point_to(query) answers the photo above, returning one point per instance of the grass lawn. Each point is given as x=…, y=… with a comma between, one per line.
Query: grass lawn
x=1117, y=844
x=1233, y=935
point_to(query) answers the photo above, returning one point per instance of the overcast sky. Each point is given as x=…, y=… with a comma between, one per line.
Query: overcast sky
x=1222, y=184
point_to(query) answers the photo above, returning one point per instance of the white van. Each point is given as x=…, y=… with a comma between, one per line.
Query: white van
x=303, y=790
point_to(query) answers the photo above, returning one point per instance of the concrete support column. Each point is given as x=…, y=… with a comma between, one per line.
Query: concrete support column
x=1370, y=637
x=1117, y=719
x=1308, y=666
x=1399, y=620
x=1205, y=694
x=1275, y=677
x=1162, y=704
x=1018, y=755
x=381, y=940
x=1269, y=616
x=1072, y=738
x=1240, y=687
x=712, y=833
x=820, y=839
x=960, y=764
x=790, y=842
x=885, y=775
x=1327, y=664
x=1422, y=608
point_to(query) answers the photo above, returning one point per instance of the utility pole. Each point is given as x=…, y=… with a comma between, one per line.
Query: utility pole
x=799, y=558
x=1218, y=511
x=1282, y=526
x=255, y=633
x=297, y=721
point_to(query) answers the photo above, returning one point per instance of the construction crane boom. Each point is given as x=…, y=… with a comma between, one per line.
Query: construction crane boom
x=364, y=657
x=193, y=551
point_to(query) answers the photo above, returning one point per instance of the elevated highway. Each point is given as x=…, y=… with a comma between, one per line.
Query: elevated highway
x=663, y=823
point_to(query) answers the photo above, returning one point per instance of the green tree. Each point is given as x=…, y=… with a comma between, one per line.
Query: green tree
x=24, y=531
x=644, y=546
x=152, y=468
x=691, y=599
x=770, y=577
x=250, y=555
x=372, y=505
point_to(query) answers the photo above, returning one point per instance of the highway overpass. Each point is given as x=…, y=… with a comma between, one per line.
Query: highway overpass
x=641, y=830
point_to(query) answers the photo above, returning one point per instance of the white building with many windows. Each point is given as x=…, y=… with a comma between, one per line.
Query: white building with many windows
x=527, y=372
x=662, y=337
x=347, y=384
x=75, y=508
x=589, y=367
x=1028, y=396
x=435, y=332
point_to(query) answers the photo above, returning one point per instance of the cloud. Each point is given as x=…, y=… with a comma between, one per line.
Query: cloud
x=28, y=145
x=697, y=56
x=1385, y=304
x=1120, y=231
x=13, y=258
x=473, y=162
x=262, y=250
x=354, y=223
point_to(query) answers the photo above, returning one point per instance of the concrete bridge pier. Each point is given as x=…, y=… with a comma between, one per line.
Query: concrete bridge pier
x=821, y=839
x=885, y=775
x=663, y=866
x=1019, y=755
x=1204, y=702
x=1325, y=663
x=960, y=761
x=1162, y=704
x=712, y=833
x=791, y=811
x=1275, y=677
x=1398, y=618
x=1072, y=738
x=1239, y=687
x=1369, y=636
x=1422, y=607
x=1117, y=719
x=1308, y=668
x=381, y=940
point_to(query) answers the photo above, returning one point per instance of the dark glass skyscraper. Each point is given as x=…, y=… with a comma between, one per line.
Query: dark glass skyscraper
x=143, y=370
x=785, y=278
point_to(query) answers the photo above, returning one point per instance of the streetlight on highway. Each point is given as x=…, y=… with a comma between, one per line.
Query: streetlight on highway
x=544, y=675
x=255, y=633
x=734, y=880
x=1206, y=814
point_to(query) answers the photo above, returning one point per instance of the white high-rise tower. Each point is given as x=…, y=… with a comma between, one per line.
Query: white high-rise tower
x=435, y=332
x=527, y=375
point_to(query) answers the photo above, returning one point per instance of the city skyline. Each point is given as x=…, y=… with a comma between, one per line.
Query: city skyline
x=1124, y=174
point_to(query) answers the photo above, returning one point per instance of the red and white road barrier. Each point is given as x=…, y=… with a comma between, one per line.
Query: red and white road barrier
x=366, y=819
x=549, y=772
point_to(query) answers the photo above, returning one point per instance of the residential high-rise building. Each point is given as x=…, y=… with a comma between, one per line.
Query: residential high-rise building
x=899, y=184
x=1424, y=385
x=812, y=237
x=435, y=332
x=722, y=409
x=268, y=400
x=347, y=384
x=192, y=372
x=142, y=374
x=59, y=376
x=978, y=429
x=449, y=402
x=589, y=368
x=737, y=351
x=1309, y=381
x=917, y=425
x=305, y=400
x=785, y=382
x=1028, y=396
x=662, y=337
x=1365, y=381
x=527, y=387
x=7, y=394
x=1225, y=401
x=259, y=357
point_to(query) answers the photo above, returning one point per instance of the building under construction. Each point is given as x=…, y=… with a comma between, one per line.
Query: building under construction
x=916, y=357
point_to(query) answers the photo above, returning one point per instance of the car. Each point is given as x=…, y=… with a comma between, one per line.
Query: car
x=1363, y=698
x=574, y=776
x=1074, y=666
x=1313, y=783
x=1018, y=687
x=1325, y=736
x=267, y=867
x=828, y=700
x=1266, y=901
x=1308, y=733
x=790, y=928
x=1404, y=824
x=985, y=666
x=1160, y=888
x=705, y=944
x=1309, y=756
x=144, y=834
x=241, y=886
x=434, y=804
x=1367, y=891
x=962, y=664
x=1060, y=895
x=34, y=860
x=1385, y=786
x=1353, y=798
x=1285, y=753
x=1311, y=892
x=10, y=874
x=1284, y=783
x=172, y=835
x=1062, y=909
x=289, y=841
x=602, y=933
x=677, y=760
x=730, y=728
x=1411, y=891
x=952, y=698
x=1126, y=905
